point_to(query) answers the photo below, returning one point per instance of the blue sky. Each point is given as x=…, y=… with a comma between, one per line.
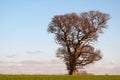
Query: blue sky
x=24, y=23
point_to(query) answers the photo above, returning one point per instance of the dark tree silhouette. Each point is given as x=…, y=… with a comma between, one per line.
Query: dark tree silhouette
x=75, y=33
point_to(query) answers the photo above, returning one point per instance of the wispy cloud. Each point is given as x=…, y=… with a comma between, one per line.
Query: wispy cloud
x=35, y=52
x=10, y=56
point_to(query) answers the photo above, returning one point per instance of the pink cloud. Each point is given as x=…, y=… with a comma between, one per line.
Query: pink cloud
x=32, y=67
x=51, y=67
x=105, y=68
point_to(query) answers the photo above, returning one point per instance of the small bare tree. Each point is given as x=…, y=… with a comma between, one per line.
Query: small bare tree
x=75, y=33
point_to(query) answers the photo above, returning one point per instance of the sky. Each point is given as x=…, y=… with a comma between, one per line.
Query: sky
x=27, y=48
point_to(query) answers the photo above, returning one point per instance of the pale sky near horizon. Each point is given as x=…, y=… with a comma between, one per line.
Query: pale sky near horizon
x=24, y=39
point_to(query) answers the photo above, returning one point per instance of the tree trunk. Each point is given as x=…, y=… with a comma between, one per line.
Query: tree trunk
x=73, y=71
x=70, y=72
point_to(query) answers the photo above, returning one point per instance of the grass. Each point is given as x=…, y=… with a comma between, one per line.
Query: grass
x=58, y=77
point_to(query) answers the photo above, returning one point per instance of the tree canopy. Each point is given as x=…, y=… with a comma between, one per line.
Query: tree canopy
x=76, y=33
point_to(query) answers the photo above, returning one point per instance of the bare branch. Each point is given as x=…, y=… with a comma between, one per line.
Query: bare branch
x=75, y=33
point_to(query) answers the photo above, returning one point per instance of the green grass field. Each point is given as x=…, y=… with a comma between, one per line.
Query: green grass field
x=57, y=77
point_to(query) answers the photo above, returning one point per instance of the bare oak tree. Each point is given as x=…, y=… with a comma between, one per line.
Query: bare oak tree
x=76, y=33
